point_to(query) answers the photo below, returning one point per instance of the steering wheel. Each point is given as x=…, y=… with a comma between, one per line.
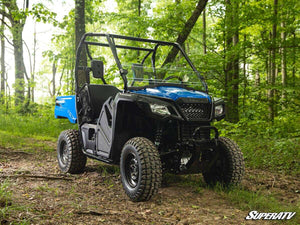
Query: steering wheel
x=173, y=76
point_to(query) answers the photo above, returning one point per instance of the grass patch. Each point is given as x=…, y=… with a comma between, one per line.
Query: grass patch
x=5, y=195
x=192, y=180
x=40, y=126
x=15, y=213
x=275, y=147
x=21, y=143
x=106, y=169
x=6, y=206
x=265, y=146
x=30, y=133
x=280, y=155
x=256, y=201
x=240, y=197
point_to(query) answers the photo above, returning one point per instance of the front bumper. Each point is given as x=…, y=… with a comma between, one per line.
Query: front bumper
x=202, y=137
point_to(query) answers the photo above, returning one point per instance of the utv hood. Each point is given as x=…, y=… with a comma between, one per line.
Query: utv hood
x=173, y=93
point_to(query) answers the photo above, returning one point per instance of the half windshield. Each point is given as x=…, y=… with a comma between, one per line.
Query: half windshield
x=141, y=76
x=150, y=69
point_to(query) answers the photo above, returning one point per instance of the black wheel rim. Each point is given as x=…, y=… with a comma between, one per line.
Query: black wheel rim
x=63, y=152
x=131, y=170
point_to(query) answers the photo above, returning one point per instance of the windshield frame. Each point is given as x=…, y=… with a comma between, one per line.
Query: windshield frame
x=113, y=46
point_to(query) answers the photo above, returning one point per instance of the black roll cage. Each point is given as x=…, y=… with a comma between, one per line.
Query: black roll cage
x=111, y=44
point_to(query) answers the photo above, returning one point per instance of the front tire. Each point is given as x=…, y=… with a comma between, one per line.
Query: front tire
x=140, y=167
x=69, y=153
x=224, y=164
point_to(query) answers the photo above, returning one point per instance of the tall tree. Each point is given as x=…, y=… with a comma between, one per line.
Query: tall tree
x=204, y=31
x=294, y=58
x=283, y=60
x=33, y=64
x=236, y=66
x=54, y=69
x=3, y=71
x=271, y=81
x=17, y=18
x=188, y=26
x=80, y=26
x=232, y=60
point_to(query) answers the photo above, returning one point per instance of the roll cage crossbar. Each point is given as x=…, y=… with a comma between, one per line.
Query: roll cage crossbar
x=111, y=44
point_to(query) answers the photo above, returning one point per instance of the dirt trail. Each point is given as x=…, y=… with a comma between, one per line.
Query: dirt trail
x=96, y=196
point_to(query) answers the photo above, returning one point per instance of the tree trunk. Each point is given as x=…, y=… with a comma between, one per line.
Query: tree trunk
x=244, y=72
x=283, y=62
x=139, y=7
x=7, y=96
x=2, y=78
x=17, y=30
x=257, y=78
x=183, y=35
x=53, y=78
x=232, y=61
x=204, y=32
x=60, y=79
x=33, y=64
x=271, y=92
x=225, y=64
x=17, y=26
x=72, y=91
x=26, y=75
x=236, y=66
x=80, y=28
x=139, y=15
x=294, y=59
x=269, y=58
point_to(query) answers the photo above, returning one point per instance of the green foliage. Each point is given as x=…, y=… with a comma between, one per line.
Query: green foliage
x=274, y=146
x=42, y=14
x=41, y=123
x=249, y=201
x=5, y=200
x=7, y=207
x=5, y=194
x=241, y=197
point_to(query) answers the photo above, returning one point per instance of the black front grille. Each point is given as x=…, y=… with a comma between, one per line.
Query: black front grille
x=187, y=131
x=196, y=111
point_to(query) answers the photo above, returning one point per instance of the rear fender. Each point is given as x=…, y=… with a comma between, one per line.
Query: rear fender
x=65, y=108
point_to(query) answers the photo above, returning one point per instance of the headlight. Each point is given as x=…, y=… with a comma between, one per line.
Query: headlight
x=160, y=109
x=219, y=110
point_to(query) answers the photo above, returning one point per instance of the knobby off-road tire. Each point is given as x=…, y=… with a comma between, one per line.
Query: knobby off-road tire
x=140, y=167
x=226, y=164
x=69, y=153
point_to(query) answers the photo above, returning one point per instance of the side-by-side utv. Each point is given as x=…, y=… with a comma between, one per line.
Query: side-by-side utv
x=138, y=109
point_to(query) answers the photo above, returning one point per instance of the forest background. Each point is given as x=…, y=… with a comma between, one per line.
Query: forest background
x=248, y=52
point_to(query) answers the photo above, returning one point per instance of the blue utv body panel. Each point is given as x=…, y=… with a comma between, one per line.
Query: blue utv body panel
x=172, y=92
x=65, y=108
x=65, y=105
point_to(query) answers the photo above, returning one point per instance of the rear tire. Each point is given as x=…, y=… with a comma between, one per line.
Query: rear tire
x=140, y=167
x=225, y=164
x=69, y=153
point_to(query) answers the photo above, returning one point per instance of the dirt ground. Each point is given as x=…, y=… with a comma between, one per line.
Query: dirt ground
x=42, y=195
